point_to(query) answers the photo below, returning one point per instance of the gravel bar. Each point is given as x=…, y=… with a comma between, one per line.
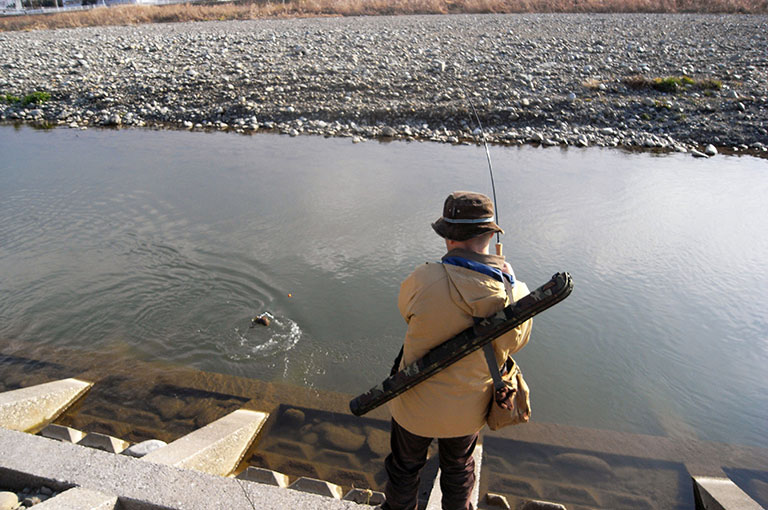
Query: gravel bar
x=550, y=79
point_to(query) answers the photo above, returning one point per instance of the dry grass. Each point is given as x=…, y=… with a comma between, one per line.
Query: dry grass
x=245, y=9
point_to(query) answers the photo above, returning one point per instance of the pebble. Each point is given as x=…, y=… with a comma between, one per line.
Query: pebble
x=389, y=80
x=8, y=501
x=31, y=501
x=710, y=150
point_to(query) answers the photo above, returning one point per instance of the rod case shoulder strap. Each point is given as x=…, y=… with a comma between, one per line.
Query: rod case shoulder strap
x=490, y=358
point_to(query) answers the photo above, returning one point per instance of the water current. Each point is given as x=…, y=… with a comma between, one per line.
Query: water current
x=163, y=245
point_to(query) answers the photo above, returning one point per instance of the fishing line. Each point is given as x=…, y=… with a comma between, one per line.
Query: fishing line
x=487, y=156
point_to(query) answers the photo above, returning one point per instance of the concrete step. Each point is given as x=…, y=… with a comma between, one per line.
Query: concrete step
x=33, y=408
x=27, y=460
x=216, y=448
x=717, y=493
x=80, y=499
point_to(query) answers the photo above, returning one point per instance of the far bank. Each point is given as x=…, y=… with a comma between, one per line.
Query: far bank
x=670, y=82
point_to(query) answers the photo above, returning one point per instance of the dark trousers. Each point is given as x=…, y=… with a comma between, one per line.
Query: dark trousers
x=409, y=454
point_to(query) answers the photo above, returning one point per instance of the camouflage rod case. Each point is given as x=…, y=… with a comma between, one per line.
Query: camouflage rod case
x=466, y=342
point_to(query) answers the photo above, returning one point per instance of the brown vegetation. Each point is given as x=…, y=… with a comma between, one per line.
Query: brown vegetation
x=250, y=9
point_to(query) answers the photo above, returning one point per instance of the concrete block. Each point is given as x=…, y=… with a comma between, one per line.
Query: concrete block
x=216, y=448
x=261, y=475
x=314, y=486
x=62, y=433
x=715, y=493
x=365, y=497
x=28, y=460
x=103, y=442
x=79, y=499
x=31, y=409
x=436, y=496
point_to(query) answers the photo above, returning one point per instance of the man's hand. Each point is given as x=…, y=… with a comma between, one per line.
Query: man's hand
x=507, y=268
x=505, y=397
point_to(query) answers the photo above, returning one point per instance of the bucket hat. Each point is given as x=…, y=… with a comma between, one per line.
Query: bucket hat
x=466, y=215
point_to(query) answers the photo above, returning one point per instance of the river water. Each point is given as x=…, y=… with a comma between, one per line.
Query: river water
x=163, y=245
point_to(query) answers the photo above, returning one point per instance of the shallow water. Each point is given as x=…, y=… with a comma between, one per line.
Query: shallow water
x=163, y=245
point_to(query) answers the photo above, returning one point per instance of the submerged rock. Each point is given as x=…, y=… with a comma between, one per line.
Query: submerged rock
x=340, y=438
x=294, y=417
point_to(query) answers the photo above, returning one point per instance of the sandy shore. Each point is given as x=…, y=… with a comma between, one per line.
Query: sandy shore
x=548, y=79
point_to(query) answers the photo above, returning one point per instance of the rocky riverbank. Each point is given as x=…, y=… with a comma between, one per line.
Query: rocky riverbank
x=583, y=80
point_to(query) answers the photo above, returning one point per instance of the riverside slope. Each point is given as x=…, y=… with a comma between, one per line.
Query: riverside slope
x=550, y=79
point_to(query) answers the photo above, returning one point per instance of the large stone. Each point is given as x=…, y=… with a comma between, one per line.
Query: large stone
x=141, y=449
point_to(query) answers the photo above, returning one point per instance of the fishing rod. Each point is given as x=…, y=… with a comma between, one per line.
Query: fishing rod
x=499, y=248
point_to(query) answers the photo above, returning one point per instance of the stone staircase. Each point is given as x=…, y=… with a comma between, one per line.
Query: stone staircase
x=214, y=449
x=232, y=443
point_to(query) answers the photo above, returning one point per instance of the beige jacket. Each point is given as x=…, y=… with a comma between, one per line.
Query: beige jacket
x=439, y=301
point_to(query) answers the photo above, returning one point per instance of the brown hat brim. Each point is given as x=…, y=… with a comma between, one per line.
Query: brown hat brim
x=463, y=231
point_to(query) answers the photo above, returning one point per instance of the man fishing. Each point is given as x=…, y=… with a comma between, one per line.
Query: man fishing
x=439, y=300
